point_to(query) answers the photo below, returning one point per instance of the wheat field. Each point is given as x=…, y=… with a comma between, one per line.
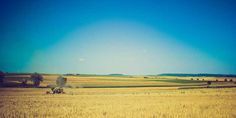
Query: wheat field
x=118, y=103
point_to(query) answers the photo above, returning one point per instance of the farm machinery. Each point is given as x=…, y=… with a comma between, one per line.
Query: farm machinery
x=58, y=89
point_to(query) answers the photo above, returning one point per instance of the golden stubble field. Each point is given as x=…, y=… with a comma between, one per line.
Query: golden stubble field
x=119, y=103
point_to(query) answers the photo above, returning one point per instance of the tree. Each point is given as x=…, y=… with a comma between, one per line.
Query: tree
x=209, y=82
x=61, y=81
x=2, y=76
x=36, y=78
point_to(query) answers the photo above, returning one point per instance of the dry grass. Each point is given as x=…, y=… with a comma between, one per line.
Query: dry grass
x=107, y=81
x=119, y=103
x=166, y=102
x=111, y=81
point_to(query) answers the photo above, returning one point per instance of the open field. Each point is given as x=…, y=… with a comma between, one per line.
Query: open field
x=121, y=97
x=119, y=103
x=125, y=81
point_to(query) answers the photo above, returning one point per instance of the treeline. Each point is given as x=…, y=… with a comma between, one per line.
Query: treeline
x=117, y=75
x=84, y=75
x=197, y=75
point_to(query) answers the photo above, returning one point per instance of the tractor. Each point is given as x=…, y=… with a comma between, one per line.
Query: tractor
x=58, y=89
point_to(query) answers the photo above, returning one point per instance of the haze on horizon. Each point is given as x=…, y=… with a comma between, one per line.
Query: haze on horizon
x=125, y=36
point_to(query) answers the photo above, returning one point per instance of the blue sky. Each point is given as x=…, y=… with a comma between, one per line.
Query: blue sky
x=119, y=36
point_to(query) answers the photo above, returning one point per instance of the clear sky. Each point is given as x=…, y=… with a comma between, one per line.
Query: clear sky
x=118, y=36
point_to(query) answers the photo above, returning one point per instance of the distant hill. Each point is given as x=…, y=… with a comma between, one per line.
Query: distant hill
x=197, y=75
